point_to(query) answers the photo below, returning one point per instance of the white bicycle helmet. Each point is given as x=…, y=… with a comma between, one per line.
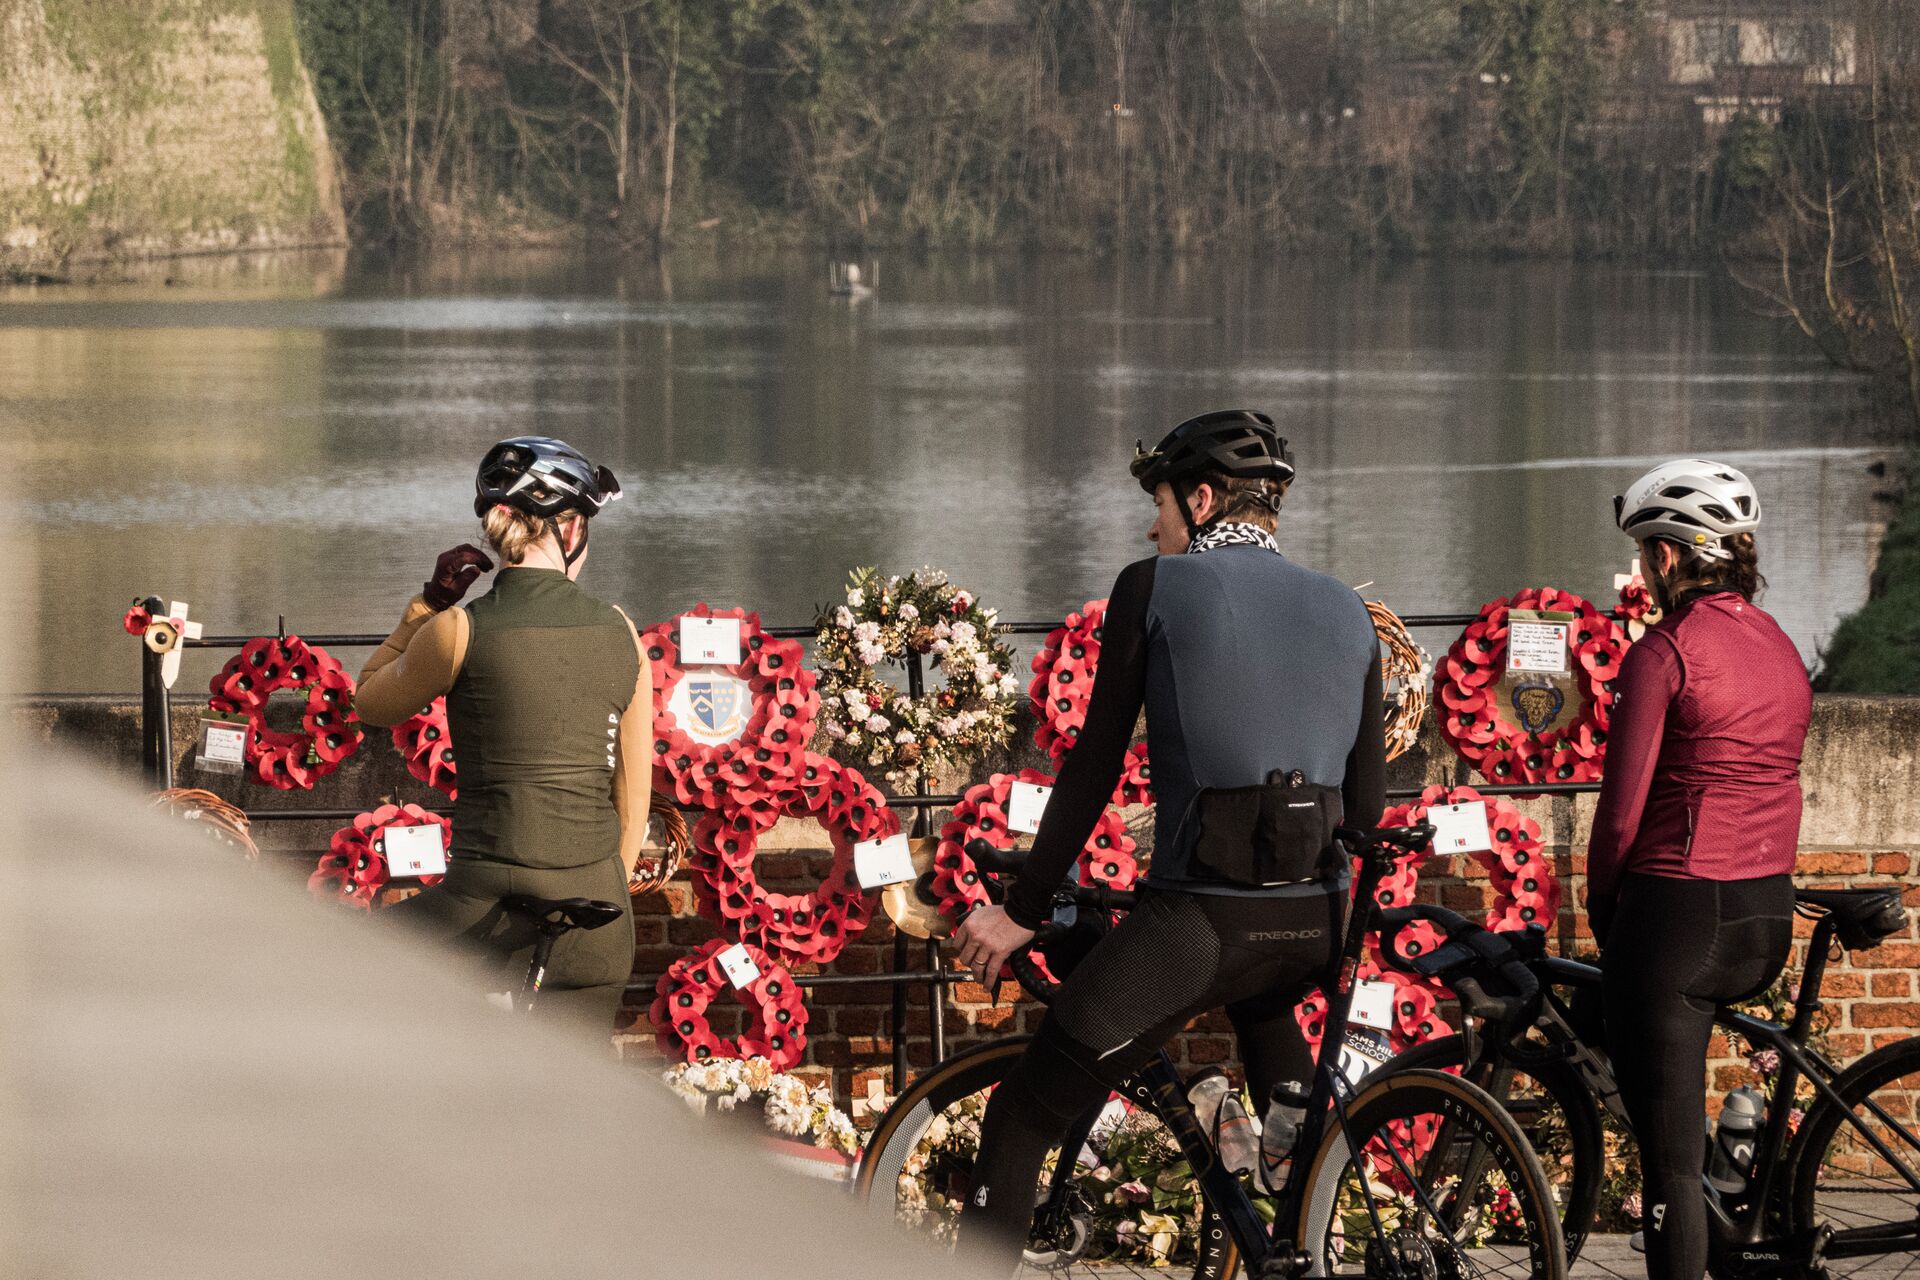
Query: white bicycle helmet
x=1692, y=502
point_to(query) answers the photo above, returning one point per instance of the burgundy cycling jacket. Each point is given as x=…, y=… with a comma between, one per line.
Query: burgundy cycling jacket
x=1703, y=755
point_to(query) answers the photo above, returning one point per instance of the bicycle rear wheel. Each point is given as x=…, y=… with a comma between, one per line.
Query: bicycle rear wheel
x=1842, y=1182
x=1556, y=1111
x=918, y=1166
x=1429, y=1179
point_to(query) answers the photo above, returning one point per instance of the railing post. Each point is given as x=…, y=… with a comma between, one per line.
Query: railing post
x=156, y=722
x=922, y=824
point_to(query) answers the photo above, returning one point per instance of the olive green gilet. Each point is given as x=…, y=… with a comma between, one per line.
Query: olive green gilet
x=534, y=714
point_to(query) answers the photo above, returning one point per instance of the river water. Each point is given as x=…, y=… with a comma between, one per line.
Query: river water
x=296, y=435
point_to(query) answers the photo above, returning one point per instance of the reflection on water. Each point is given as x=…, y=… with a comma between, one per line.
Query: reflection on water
x=298, y=436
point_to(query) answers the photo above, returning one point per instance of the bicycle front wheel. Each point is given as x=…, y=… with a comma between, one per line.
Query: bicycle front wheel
x=1842, y=1178
x=918, y=1170
x=1557, y=1112
x=1429, y=1177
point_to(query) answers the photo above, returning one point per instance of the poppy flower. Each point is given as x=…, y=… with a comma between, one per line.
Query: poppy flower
x=1601, y=657
x=1417, y=939
x=1468, y=673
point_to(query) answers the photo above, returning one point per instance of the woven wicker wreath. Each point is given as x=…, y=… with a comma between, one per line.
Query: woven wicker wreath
x=1406, y=670
x=651, y=872
x=225, y=823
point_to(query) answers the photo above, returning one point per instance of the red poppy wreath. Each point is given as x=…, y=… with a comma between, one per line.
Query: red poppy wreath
x=1510, y=731
x=778, y=1027
x=728, y=730
x=354, y=868
x=425, y=743
x=982, y=813
x=811, y=926
x=330, y=731
x=1061, y=688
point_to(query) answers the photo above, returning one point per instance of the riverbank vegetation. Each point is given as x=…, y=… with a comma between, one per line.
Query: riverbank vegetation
x=1877, y=650
x=1777, y=135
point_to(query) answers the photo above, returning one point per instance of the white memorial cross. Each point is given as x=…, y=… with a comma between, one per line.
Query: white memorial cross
x=170, y=665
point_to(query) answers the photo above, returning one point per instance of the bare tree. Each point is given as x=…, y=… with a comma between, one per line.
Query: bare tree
x=1843, y=226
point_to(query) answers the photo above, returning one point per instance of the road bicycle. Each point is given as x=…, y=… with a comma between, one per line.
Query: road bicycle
x=1832, y=1186
x=1378, y=1185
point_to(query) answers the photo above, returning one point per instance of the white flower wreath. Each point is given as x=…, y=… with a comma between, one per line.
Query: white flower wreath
x=793, y=1107
x=872, y=723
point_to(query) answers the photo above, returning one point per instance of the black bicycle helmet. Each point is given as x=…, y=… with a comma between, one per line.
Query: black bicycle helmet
x=542, y=477
x=1238, y=443
x=1234, y=442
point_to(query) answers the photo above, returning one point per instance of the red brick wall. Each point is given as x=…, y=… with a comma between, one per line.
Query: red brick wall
x=1870, y=998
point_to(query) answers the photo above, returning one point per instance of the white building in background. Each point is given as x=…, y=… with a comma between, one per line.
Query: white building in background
x=1749, y=56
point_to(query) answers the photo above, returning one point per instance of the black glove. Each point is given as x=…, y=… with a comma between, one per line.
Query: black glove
x=453, y=573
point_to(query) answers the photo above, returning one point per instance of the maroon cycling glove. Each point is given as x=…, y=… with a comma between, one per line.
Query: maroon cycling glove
x=453, y=574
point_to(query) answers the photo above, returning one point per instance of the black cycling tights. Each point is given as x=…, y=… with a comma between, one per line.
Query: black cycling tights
x=1676, y=950
x=1175, y=957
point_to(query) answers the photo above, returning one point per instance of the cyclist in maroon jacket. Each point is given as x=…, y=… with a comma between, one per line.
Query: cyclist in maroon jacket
x=1690, y=861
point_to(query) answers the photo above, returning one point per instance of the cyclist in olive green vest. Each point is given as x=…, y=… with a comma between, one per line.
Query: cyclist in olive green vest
x=549, y=703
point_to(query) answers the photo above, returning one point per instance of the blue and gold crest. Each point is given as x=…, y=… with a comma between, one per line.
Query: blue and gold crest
x=1536, y=703
x=711, y=707
x=716, y=704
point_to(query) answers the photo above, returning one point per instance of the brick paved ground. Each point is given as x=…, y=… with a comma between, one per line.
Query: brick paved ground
x=1608, y=1257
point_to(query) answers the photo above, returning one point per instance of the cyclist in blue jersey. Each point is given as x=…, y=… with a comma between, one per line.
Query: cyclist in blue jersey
x=1261, y=684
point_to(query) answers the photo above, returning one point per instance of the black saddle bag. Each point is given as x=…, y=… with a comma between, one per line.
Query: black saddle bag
x=1277, y=832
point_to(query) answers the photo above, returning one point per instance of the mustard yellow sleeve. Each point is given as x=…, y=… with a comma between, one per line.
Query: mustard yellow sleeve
x=633, y=760
x=417, y=664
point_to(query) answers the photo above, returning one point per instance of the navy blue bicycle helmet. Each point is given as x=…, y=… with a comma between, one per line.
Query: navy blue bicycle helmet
x=541, y=476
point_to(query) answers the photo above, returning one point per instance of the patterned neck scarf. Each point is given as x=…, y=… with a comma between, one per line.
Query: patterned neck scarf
x=1232, y=534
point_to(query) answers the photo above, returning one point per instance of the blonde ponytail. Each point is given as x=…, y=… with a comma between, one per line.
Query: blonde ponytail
x=513, y=533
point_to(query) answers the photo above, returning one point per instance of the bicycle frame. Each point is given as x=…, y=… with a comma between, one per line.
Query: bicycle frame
x=1739, y=1228
x=1160, y=1087
x=537, y=968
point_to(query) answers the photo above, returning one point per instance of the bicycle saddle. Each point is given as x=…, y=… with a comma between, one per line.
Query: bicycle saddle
x=1864, y=918
x=574, y=913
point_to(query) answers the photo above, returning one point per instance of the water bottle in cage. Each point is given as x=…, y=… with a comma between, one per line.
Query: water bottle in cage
x=1286, y=1112
x=1733, y=1140
x=1223, y=1118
